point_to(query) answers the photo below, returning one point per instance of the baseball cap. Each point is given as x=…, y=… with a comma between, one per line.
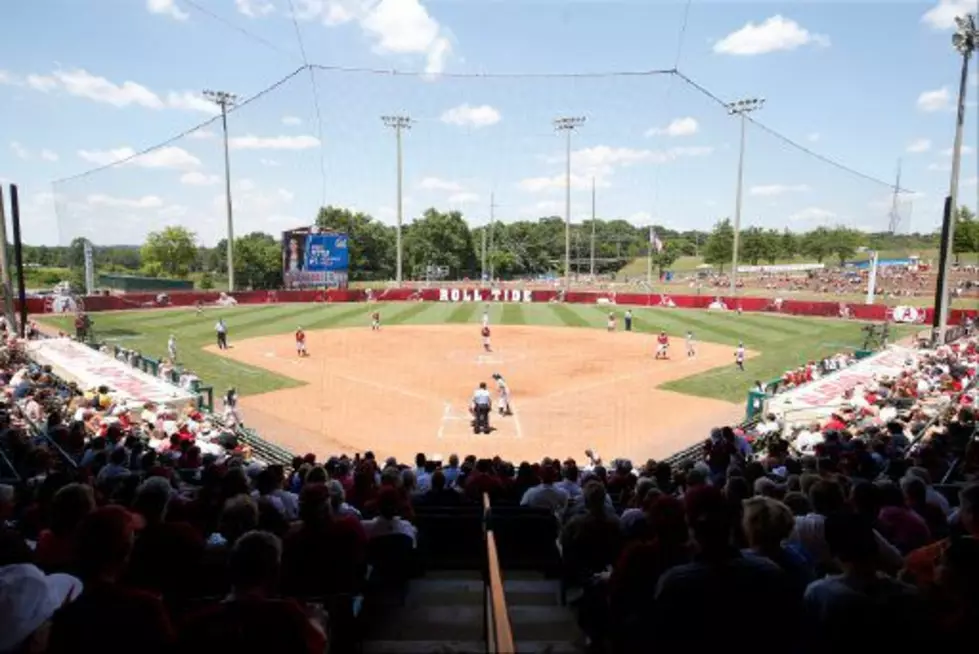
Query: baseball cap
x=28, y=599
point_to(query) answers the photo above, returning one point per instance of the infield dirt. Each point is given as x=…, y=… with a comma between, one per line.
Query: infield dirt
x=406, y=389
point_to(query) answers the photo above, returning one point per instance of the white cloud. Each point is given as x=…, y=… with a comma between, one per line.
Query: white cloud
x=395, y=26
x=145, y=202
x=940, y=167
x=966, y=149
x=437, y=184
x=770, y=190
x=292, y=120
x=190, y=101
x=166, y=8
x=203, y=134
x=600, y=163
x=166, y=157
x=971, y=181
x=919, y=145
x=463, y=198
x=640, y=218
x=42, y=83
x=252, y=142
x=271, y=163
x=49, y=155
x=813, y=137
x=254, y=8
x=812, y=214
x=942, y=16
x=772, y=35
x=469, y=116
x=196, y=178
x=936, y=100
x=677, y=127
x=80, y=83
x=19, y=150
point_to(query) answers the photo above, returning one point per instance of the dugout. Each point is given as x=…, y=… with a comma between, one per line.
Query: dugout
x=135, y=283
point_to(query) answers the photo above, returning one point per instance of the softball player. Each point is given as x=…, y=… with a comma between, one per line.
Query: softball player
x=504, y=391
x=172, y=348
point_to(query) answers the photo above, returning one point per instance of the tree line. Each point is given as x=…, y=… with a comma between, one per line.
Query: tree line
x=522, y=248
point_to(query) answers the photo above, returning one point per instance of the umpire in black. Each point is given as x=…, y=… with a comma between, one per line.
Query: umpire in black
x=482, y=405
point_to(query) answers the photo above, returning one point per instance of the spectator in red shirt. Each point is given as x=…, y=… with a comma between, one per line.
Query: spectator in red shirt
x=252, y=619
x=55, y=546
x=137, y=621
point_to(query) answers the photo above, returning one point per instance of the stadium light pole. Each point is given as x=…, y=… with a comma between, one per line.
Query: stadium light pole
x=592, y=271
x=740, y=108
x=567, y=125
x=964, y=40
x=398, y=124
x=223, y=99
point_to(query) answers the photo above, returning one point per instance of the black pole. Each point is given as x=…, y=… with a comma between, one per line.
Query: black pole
x=19, y=258
x=943, y=255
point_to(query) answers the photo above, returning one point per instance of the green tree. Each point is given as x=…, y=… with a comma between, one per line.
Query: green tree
x=258, y=261
x=720, y=244
x=788, y=245
x=667, y=256
x=440, y=239
x=207, y=281
x=370, y=244
x=753, y=247
x=171, y=250
x=816, y=244
x=772, y=245
x=966, y=239
x=843, y=243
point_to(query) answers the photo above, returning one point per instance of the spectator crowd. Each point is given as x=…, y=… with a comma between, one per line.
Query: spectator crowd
x=122, y=532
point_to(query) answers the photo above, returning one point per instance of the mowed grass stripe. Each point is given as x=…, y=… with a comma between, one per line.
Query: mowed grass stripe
x=784, y=325
x=513, y=314
x=568, y=317
x=676, y=324
x=169, y=317
x=332, y=315
x=727, y=333
x=282, y=322
x=407, y=314
x=462, y=313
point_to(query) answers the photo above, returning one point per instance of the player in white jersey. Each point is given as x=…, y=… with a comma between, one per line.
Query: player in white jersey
x=739, y=357
x=504, y=390
x=611, y=322
x=172, y=348
x=486, y=316
x=691, y=345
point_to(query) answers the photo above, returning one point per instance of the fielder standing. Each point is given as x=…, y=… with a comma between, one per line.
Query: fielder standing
x=662, y=346
x=691, y=345
x=504, y=391
x=301, y=342
x=486, y=338
x=739, y=356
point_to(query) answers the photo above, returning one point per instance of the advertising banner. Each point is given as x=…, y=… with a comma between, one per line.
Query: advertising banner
x=90, y=368
x=817, y=400
x=313, y=259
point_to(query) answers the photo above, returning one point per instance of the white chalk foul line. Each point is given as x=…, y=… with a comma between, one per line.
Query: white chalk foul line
x=516, y=419
x=445, y=415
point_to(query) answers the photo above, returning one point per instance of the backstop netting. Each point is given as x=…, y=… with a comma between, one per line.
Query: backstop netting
x=658, y=149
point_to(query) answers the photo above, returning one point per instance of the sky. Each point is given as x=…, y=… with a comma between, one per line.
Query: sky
x=870, y=86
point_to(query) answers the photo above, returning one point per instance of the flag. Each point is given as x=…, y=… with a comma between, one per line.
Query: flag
x=654, y=242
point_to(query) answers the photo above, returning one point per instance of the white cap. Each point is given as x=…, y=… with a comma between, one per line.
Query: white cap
x=28, y=599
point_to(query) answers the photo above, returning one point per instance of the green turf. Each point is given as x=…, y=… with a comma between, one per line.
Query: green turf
x=782, y=342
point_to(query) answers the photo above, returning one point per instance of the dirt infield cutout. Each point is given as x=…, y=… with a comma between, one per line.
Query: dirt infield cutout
x=406, y=389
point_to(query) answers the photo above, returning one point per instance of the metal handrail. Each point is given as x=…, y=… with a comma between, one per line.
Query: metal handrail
x=499, y=632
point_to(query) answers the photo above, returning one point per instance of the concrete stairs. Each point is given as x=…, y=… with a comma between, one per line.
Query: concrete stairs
x=443, y=614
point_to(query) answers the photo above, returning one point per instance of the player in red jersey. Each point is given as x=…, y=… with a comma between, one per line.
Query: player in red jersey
x=662, y=345
x=486, y=338
x=301, y=342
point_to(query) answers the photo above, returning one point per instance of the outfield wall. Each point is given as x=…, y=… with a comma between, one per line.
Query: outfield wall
x=511, y=293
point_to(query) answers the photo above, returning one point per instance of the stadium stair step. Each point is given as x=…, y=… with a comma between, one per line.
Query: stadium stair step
x=443, y=613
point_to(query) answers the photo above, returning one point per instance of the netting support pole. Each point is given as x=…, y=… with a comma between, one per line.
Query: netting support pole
x=741, y=109
x=592, y=267
x=8, y=287
x=223, y=100
x=18, y=257
x=398, y=124
x=567, y=125
x=965, y=41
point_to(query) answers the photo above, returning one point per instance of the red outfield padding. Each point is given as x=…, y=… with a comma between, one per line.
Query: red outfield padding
x=914, y=315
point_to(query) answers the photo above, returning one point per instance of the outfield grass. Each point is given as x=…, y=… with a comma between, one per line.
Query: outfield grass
x=782, y=342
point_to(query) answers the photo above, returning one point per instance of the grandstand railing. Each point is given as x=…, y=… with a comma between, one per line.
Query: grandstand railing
x=499, y=632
